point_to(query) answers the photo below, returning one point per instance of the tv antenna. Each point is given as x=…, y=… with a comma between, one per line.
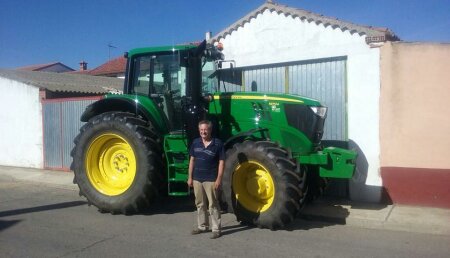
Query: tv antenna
x=110, y=46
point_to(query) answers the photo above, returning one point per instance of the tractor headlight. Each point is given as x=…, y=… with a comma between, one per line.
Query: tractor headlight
x=320, y=111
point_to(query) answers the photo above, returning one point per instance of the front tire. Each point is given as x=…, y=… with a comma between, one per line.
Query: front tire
x=261, y=185
x=117, y=162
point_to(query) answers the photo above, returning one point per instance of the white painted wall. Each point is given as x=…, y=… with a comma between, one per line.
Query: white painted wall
x=21, y=125
x=274, y=38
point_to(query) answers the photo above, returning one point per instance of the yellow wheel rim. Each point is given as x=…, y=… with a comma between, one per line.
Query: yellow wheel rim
x=110, y=164
x=253, y=186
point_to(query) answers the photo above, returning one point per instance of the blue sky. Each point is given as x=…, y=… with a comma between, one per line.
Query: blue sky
x=45, y=31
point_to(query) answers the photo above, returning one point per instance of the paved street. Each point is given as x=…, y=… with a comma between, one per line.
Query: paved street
x=39, y=219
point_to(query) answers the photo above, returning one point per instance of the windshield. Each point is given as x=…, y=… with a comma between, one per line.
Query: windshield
x=159, y=75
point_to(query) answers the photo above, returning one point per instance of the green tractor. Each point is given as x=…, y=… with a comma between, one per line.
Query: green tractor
x=134, y=146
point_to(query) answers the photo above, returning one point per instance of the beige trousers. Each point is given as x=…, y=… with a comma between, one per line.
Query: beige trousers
x=205, y=194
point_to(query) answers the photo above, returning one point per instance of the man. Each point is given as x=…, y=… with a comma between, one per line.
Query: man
x=205, y=175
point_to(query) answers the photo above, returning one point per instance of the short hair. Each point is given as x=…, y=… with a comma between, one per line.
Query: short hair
x=205, y=122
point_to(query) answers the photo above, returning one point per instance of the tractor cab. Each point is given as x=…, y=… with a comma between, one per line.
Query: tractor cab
x=176, y=78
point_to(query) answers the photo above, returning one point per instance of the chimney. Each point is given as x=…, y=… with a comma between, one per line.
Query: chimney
x=83, y=66
x=208, y=35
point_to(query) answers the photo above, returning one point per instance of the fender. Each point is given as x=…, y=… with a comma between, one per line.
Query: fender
x=264, y=134
x=124, y=104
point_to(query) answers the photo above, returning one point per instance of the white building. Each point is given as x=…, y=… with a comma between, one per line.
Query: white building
x=33, y=132
x=324, y=58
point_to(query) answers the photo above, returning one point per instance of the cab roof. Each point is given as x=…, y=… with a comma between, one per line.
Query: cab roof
x=146, y=50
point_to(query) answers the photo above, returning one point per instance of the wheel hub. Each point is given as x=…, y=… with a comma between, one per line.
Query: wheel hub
x=259, y=186
x=120, y=163
x=253, y=186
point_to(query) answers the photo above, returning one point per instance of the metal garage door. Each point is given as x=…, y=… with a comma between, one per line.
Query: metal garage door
x=321, y=79
x=61, y=122
x=324, y=80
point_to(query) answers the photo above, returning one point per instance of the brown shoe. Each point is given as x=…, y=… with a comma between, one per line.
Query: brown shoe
x=197, y=231
x=215, y=235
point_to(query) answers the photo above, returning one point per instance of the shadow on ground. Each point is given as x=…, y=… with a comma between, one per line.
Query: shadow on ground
x=315, y=215
x=170, y=205
x=55, y=206
x=4, y=224
x=335, y=214
x=228, y=230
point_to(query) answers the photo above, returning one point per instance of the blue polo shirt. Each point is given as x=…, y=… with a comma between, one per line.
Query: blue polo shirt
x=206, y=159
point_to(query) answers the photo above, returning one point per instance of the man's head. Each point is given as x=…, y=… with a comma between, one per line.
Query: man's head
x=205, y=128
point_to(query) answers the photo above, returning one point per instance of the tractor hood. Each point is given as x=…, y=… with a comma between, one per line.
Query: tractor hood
x=268, y=97
x=295, y=121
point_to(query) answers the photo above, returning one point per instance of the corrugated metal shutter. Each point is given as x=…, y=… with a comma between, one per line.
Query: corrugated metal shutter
x=270, y=79
x=52, y=135
x=325, y=81
x=61, y=122
x=321, y=79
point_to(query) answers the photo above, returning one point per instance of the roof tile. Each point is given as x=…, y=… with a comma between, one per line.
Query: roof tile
x=114, y=66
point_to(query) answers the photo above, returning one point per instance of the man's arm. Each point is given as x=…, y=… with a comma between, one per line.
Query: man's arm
x=190, y=170
x=219, y=174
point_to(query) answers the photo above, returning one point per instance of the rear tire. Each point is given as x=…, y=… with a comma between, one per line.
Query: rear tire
x=261, y=184
x=117, y=162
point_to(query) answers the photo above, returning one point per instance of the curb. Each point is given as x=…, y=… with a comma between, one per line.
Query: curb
x=377, y=216
x=60, y=179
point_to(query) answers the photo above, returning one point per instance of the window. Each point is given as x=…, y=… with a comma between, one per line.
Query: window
x=141, y=82
x=209, y=80
x=156, y=75
x=163, y=79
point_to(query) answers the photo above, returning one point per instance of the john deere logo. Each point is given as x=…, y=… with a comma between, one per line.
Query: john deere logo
x=275, y=106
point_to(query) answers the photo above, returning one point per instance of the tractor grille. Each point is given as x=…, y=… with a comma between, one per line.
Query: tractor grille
x=304, y=119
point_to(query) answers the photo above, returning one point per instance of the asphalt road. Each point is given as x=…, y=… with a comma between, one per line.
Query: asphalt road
x=44, y=220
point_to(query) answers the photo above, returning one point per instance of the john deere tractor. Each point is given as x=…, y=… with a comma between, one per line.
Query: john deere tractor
x=134, y=146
